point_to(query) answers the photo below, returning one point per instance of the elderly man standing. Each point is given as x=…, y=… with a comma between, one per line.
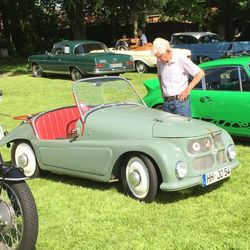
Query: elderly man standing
x=173, y=72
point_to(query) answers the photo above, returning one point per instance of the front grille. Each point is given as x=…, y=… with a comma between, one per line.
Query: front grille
x=221, y=156
x=218, y=140
x=214, y=149
x=204, y=162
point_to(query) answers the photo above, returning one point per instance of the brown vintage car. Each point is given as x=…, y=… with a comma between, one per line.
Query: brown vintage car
x=128, y=43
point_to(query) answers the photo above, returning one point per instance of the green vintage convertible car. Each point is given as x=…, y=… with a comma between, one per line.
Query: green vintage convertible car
x=79, y=59
x=111, y=135
x=222, y=97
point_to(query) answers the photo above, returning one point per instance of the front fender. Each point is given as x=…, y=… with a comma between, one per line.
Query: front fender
x=23, y=132
x=10, y=173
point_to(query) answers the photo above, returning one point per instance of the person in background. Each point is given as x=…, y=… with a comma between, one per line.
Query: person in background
x=142, y=36
x=173, y=70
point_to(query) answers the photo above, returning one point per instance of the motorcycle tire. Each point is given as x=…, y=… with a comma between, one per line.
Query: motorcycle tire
x=18, y=217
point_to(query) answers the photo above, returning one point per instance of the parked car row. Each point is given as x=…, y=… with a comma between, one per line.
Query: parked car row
x=90, y=58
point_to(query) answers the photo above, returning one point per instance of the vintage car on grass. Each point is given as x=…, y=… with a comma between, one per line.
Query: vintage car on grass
x=207, y=46
x=222, y=97
x=80, y=59
x=144, y=59
x=111, y=135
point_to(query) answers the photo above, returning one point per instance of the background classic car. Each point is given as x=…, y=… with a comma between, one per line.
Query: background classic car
x=80, y=58
x=144, y=59
x=206, y=46
x=222, y=97
x=110, y=134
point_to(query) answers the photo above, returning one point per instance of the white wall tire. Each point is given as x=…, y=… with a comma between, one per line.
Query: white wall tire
x=23, y=156
x=141, y=67
x=139, y=178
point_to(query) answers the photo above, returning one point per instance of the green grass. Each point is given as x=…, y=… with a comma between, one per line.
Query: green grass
x=13, y=66
x=80, y=214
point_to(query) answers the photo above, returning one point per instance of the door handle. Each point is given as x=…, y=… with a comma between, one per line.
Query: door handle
x=205, y=99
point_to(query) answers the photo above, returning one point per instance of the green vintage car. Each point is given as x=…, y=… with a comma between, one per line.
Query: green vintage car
x=79, y=59
x=222, y=97
x=111, y=135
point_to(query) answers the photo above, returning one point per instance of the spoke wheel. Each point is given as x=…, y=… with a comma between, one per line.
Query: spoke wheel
x=122, y=47
x=75, y=74
x=139, y=178
x=23, y=156
x=36, y=70
x=141, y=67
x=18, y=217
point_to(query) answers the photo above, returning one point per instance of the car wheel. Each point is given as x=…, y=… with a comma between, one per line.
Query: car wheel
x=122, y=47
x=23, y=156
x=36, y=70
x=75, y=74
x=203, y=59
x=139, y=178
x=141, y=67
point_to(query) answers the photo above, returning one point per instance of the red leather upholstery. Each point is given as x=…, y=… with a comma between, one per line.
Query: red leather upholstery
x=56, y=124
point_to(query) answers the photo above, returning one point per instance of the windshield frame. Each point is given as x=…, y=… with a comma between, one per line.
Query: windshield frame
x=91, y=109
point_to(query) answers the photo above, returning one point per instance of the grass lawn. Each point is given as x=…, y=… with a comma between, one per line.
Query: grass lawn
x=80, y=214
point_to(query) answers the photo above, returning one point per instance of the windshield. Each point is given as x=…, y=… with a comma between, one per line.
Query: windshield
x=211, y=39
x=91, y=48
x=105, y=91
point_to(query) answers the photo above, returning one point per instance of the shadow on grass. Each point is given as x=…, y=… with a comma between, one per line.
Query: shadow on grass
x=161, y=197
x=76, y=181
x=170, y=197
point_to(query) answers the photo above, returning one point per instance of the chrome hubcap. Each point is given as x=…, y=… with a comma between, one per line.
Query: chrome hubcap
x=26, y=159
x=135, y=178
x=22, y=160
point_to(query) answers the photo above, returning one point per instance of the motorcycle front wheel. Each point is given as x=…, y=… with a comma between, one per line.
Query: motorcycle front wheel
x=18, y=217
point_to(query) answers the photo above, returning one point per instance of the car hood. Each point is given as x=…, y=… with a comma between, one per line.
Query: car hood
x=145, y=122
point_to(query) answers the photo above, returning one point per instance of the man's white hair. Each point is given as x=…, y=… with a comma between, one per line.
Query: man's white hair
x=160, y=45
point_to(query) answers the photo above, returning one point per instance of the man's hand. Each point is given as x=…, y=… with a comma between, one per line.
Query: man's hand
x=184, y=94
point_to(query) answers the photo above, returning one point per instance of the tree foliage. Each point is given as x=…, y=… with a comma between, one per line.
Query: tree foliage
x=32, y=25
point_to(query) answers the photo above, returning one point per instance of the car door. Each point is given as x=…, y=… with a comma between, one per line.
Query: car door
x=56, y=60
x=76, y=157
x=224, y=99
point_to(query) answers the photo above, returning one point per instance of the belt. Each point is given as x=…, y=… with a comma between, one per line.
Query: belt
x=170, y=98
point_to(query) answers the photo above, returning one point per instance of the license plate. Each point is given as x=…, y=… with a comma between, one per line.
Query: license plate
x=116, y=65
x=215, y=176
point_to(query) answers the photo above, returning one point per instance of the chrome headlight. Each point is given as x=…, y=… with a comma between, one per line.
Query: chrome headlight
x=199, y=145
x=181, y=169
x=231, y=152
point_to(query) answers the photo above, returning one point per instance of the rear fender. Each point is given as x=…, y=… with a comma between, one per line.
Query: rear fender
x=22, y=132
